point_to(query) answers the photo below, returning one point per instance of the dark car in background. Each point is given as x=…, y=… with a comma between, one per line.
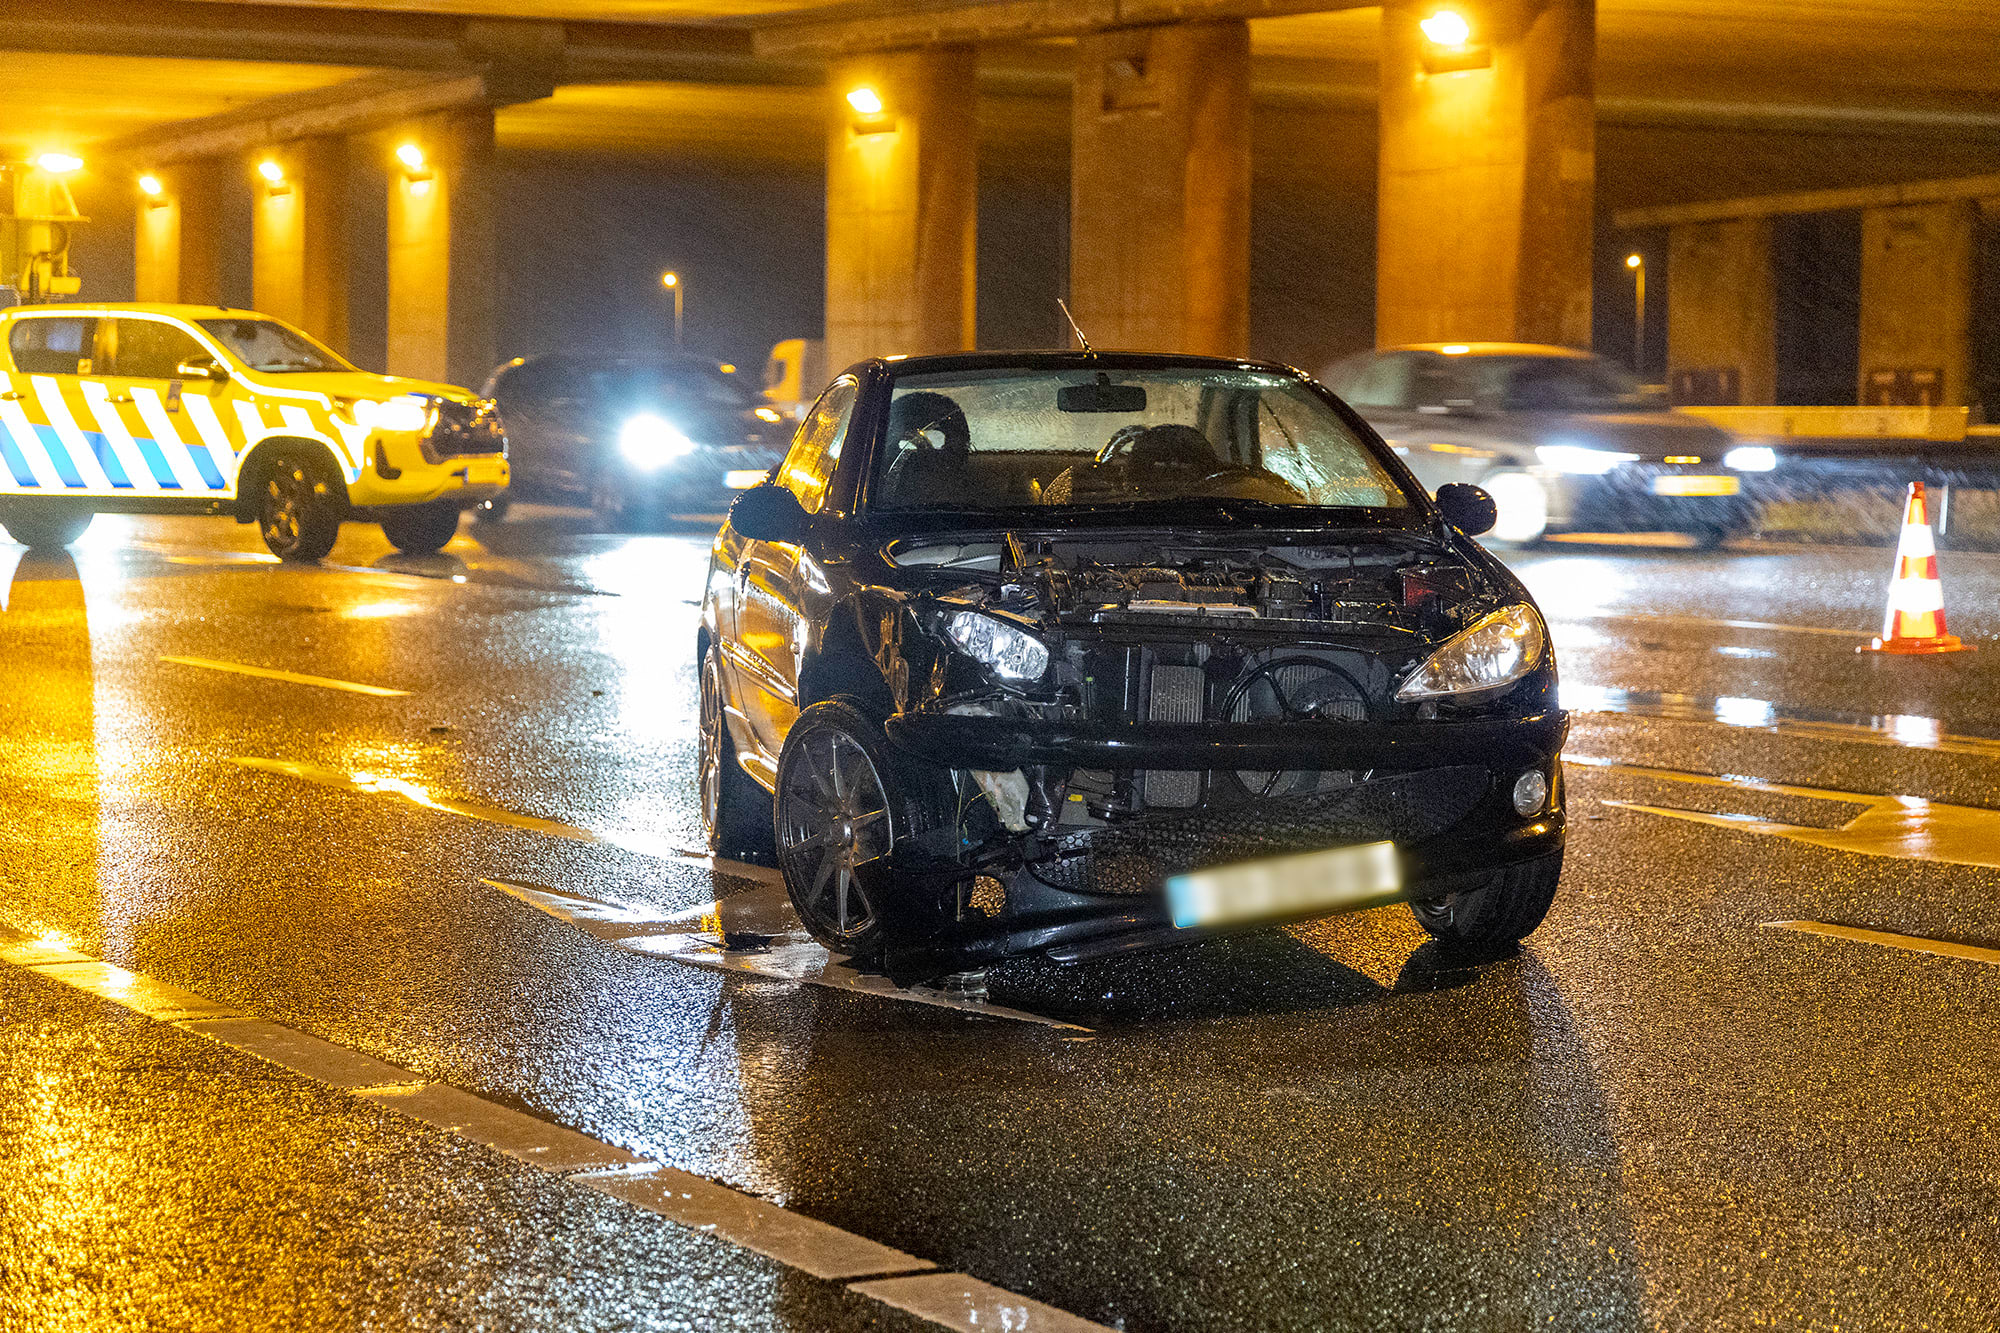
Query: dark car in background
x=1074, y=654
x=636, y=439
x=1561, y=439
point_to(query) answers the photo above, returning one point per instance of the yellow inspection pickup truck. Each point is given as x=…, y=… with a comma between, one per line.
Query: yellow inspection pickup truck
x=178, y=409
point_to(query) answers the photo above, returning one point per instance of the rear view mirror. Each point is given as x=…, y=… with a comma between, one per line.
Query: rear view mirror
x=1103, y=396
x=200, y=368
x=1467, y=507
x=769, y=513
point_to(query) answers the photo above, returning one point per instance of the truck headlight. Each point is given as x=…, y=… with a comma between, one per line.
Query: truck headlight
x=1495, y=650
x=1581, y=460
x=650, y=443
x=1751, y=458
x=1012, y=654
x=409, y=413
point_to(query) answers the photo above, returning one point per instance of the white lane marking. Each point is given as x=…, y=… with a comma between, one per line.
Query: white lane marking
x=1705, y=623
x=754, y=932
x=377, y=784
x=797, y=1241
x=521, y=1136
x=965, y=1303
x=320, y=1061
x=213, y=437
x=29, y=441
x=49, y=394
x=290, y=677
x=1907, y=943
x=791, y=1238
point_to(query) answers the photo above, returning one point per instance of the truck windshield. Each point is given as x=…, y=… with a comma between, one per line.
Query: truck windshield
x=1085, y=439
x=267, y=345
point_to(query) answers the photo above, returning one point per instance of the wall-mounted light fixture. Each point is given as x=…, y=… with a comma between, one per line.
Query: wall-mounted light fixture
x=59, y=164
x=274, y=177
x=1448, y=44
x=416, y=168
x=155, y=192
x=870, y=115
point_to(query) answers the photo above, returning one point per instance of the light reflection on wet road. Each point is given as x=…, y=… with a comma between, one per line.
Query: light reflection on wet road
x=1659, y=1114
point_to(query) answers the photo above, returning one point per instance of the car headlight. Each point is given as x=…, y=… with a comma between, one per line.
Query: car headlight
x=1009, y=653
x=411, y=412
x=650, y=443
x=1751, y=458
x=1495, y=650
x=1581, y=460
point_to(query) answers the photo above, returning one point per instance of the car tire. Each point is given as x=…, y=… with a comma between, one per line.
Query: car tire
x=1522, y=503
x=844, y=802
x=421, y=529
x=41, y=526
x=1495, y=912
x=735, y=811
x=300, y=502
x=492, y=512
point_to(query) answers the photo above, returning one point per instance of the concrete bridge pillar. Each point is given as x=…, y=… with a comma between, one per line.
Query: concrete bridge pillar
x=1917, y=275
x=1487, y=168
x=442, y=269
x=299, y=237
x=902, y=204
x=1160, y=188
x=1722, y=346
x=178, y=255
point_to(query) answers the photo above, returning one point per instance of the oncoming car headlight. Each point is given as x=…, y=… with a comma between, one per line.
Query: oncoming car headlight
x=650, y=443
x=1751, y=458
x=1581, y=460
x=411, y=412
x=1495, y=650
x=1009, y=653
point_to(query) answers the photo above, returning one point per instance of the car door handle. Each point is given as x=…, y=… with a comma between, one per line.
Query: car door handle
x=11, y=396
x=120, y=398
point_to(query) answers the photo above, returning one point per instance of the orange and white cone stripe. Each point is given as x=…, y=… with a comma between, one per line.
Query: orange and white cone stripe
x=1914, y=619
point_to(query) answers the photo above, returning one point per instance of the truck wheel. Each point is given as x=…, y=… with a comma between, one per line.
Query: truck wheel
x=1496, y=912
x=299, y=506
x=735, y=811
x=41, y=526
x=421, y=529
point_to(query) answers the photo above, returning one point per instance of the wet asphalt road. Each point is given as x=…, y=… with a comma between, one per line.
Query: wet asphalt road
x=1663, y=1113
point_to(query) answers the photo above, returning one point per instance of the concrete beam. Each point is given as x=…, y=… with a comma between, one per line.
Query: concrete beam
x=383, y=39
x=864, y=26
x=1722, y=344
x=1812, y=201
x=298, y=242
x=344, y=108
x=441, y=251
x=1917, y=273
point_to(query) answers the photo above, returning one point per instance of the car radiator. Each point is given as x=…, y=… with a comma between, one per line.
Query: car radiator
x=1176, y=696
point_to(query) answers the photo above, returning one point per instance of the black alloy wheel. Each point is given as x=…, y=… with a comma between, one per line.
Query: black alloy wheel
x=421, y=529
x=299, y=506
x=735, y=811
x=1496, y=913
x=844, y=804
x=41, y=525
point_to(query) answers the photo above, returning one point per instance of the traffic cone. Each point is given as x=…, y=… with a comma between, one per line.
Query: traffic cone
x=1914, y=621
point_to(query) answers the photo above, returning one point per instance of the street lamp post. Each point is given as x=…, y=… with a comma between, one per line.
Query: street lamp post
x=1637, y=263
x=672, y=282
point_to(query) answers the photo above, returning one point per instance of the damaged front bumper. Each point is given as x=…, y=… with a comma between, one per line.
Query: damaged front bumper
x=1440, y=790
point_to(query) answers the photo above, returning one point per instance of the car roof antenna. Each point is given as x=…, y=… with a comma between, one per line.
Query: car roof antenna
x=1076, y=328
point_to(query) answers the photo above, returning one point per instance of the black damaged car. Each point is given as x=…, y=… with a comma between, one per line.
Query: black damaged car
x=1073, y=654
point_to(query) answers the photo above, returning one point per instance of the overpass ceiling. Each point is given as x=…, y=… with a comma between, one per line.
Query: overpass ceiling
x=69, y=101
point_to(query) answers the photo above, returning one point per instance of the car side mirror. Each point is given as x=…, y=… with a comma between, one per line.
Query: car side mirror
x=1467, y=507
x=769, y=513
x=200, y=368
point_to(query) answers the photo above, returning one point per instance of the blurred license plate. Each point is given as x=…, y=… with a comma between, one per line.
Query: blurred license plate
x=1690, y=485
x=1313, y=884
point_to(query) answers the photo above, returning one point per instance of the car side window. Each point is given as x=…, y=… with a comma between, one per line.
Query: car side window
x=1385, y=381
x=808, y=466
x=53, y=346
x=151, y=349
